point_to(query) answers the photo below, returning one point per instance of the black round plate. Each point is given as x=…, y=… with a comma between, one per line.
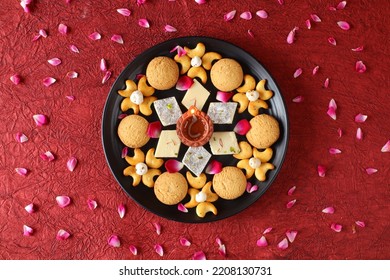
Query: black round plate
x=113, y=146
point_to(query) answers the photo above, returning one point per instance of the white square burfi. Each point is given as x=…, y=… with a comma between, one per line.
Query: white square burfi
x=196, y=159
x=224, y=143
x=196, y=95
x=168, y=144
x=222, y=113
x=168, y=110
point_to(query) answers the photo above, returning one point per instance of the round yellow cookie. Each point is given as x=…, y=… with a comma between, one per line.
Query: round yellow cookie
x=132, y=131
x=226, y=74
x=264, y=131
x=230, y=183
x=170, y=188
x=162, y=73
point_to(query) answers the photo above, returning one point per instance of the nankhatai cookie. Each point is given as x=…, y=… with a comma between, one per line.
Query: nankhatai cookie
x=226, y=74
x=170, y=188
x=264, y=131
x=132, y=131
x=162, y=73
x=230, y=183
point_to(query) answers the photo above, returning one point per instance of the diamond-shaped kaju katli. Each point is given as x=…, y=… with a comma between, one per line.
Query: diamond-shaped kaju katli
x=253, y=161
x=252, y=96
x=143, y=168
x=137, y=97
x=196, y=61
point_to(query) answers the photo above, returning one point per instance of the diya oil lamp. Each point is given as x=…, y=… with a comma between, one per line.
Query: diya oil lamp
x=194, y=128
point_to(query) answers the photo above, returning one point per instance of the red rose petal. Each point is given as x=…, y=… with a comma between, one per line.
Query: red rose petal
x=182, y=208
x=40, y=119
x=332, y=41
x=290, y=203
x=143, y=22
x=242, y=127
x=224, y=96
x=184, y=83
x=114, y=241
x=121, y=210
x=200, y=255
x=360, y=67
x=214, y=167
x=173, y=165
x=184, y=242
x=321, y=170
x=336, y=227
x=262, y=242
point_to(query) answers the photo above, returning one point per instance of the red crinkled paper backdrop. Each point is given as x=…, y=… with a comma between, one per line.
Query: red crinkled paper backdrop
x=360, y=200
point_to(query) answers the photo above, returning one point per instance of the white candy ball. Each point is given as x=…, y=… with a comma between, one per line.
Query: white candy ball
x=196, y=61
x=137, y=97
x=254, y=162
x=252, y=95
x=200, y=197
x=141, y=168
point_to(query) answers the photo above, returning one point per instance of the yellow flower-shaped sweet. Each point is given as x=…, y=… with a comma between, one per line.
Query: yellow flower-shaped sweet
x=143, y=168
x=252, y=96
x=196, y=61
x=254, y=161
x=137, y=97
x=201, y=195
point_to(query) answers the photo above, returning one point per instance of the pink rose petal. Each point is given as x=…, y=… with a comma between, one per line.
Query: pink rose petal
x=124, y=12
x=291, y=234
x=40, y=119
x=360, y=67
x=114, y=241
x=133, y=250
x=246, y=15
x=74, y=49
x=21, y=171
x=184, y=242
x=124, y=152
x=229, y=16
x=360, y=118
x=298, y=99
x=326, y=83
x=262, y=14
x=308, y=23
x=21, y=137
x=48, y=81
x=341, y=5
x=242, y=127
x=297, y=72
x=92, y=204
x=184, y=83
x=43, y=33
x=27, y=231
x=332, y=41
x=95, y=36
x=281, y=2
x=71, y=163
x=121, y=210
x=154, y=129
x=218, y=241
x=159, y=250
x=290, y=203
x=173, y=165
x=182, y=208
x=103, y=65
x=267, y=230
x=63, y=200
x=371, y=170
x=200, y=2
x=62, y=235
x=143, y=22
x=16, y=79
x=180, y=51
x=72, y=74
x=169, y=28
x=157, y=227
x=358, y=49
x=359, y=134
x=214, y=167
x=291, y=190
x=360, y=224
x=70, y=97
x=283, y=245
x=334, y=151
x=117, y=38
x=321, y=170
x=24, y=4
x=62, y=28
x=122, y=116
x=291, y=35
x=343, y=25
x=224, y=96
x=54, y=61
x=251, y=188
x=332, y=109
x=47, y=156
x=262, y=242
x=328, y=210
x=315, y=69
x=106, y=77
x=30, y=208
x=250, y=33
x=386, y=147
x=222, y=250
x=140, y=2
x=340, y=132
x=315, y=18
x=336, y=227
x=199, y=256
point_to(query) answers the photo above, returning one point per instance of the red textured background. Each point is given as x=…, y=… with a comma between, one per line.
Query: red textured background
x=74, y=129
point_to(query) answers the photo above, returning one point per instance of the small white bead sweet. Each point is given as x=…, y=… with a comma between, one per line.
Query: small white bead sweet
x=252, y=95
x=200, y=197
x=141, y=168
x=137, y=97
x=254, y=162
x=196, y=61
